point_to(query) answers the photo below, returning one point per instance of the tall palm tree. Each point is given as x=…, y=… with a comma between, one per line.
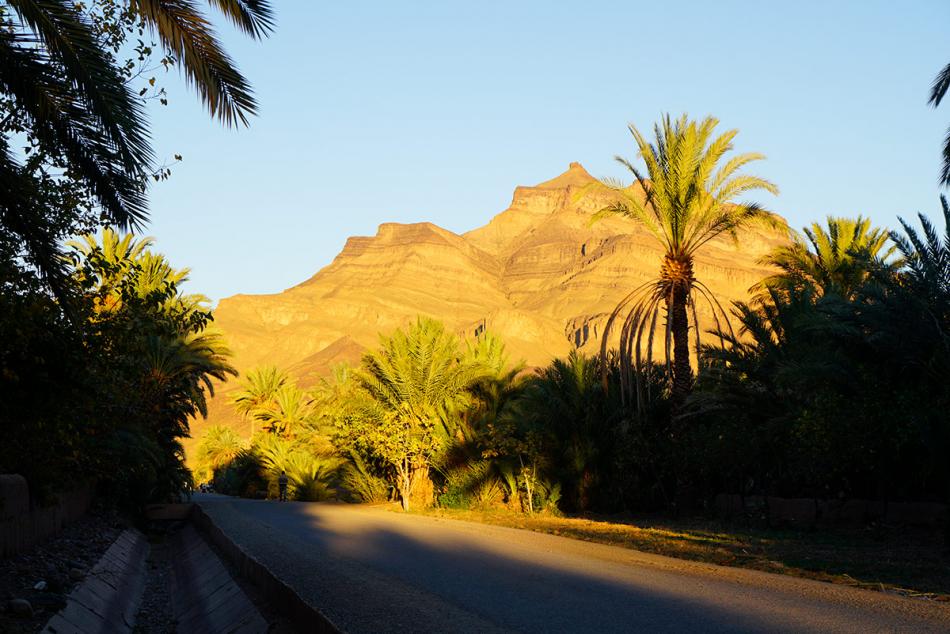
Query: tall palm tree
x=685, y=199
x=835, y=260
x=418, y=383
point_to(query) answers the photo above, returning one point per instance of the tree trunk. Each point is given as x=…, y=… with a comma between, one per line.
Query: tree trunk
x=404, y=483
x=422, y=491
x=682, y=385
x=679, y=325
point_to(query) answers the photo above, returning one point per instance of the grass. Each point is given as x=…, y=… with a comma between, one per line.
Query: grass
x=911, y=562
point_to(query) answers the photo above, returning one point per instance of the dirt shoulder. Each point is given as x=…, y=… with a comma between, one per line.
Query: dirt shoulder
x=896, y=560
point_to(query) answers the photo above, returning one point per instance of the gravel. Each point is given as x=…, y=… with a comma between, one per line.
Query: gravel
x=42, y=577
x=155, y=613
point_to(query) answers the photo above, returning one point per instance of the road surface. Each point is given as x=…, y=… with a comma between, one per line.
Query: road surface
x=371, y=570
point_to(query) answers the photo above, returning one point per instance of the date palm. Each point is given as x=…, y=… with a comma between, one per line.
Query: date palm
x=686, y=198
x=289, y=413
x=836, y=260
x=66, y=90
x=937, y=92
x=219, y=446
x=258, y=392
x=417, y=382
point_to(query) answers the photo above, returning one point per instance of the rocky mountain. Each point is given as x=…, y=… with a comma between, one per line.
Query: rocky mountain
x=538, y=274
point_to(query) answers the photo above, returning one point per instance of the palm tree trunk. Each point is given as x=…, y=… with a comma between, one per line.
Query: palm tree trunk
x=682, y=384
x=682, y=372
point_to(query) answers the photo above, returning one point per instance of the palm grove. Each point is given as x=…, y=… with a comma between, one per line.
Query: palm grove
x=830, y=382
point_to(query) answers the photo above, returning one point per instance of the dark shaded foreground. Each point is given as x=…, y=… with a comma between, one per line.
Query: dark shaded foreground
x=379, y=571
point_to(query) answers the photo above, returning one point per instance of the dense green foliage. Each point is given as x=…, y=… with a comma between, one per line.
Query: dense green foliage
x=103, y=360
x=107, y=395
x=836, y=383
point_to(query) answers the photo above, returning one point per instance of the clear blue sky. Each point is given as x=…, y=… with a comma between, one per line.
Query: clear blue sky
x=377, y=111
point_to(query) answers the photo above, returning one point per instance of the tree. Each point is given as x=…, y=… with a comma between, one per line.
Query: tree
x=309, y=470
x=838, y=260
x=155, y=352
x=64, y=90
x=289, y=412
x=417, y=383
x=569, y=410
x=219, y=447
x=258, y=392
x=937, y=92
x=685, y=200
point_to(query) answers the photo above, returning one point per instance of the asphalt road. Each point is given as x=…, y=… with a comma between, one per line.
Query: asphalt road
x=372, y=570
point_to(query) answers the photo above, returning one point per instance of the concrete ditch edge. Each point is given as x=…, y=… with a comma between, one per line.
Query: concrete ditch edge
x=301, y=615
x=109, y=597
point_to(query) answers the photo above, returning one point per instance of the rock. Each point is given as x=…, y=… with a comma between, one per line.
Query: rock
x=20, y=607
x=75, y=574
x=39, y=586
x=72, y=563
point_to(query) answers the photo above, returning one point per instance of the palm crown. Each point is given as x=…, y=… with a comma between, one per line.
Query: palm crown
x=833, y=260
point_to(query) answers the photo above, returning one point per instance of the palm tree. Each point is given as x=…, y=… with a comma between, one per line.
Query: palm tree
x=927, y=257
x=117, y=263
x=289, y=412
x=258, y=392
x=837, y=260
x=924, y=286
x=937, y=92
x=219, y=446
x=685, y=200
x=418, y=384
x=568, y=406
x=71, y=95
x=310, y=472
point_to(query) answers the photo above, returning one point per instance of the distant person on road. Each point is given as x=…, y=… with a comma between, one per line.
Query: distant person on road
x=282, y=485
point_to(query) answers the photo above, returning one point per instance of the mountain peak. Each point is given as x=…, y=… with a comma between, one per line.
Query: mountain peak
x=575, y=176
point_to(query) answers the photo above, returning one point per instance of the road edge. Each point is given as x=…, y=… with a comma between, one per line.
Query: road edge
x=284, y=599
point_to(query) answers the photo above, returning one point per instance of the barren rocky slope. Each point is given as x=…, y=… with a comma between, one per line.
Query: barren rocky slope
x=538, y=274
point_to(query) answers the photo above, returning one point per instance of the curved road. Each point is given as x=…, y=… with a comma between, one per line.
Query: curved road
x=372, y=570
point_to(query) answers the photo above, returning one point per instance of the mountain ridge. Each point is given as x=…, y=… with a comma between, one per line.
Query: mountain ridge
x=539, y=274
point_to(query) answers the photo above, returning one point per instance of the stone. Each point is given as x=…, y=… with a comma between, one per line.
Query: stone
x=75, y=574
x=39, y=586
x=20, y=607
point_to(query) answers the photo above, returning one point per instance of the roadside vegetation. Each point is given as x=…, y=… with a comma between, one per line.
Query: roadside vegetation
x=104, y=359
